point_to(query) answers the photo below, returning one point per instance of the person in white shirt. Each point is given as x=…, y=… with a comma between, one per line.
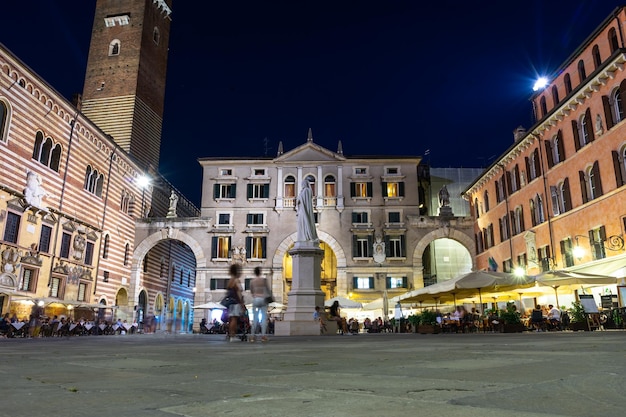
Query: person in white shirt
x=554, y=316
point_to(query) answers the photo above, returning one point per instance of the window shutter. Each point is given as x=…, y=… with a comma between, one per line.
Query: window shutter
x=371, y=283
x=528, y=177
x=592, y=237
x=583, y=186
x=264, y=247
x=213, y=284
x=229, y=245
x=355, y=282
x=248, y=246
x=249, y=218
x=249, y=191
x=501, y=227
x=388, y=282
x=509, y=186
x=608, y=114
x=538, y=170
x=602, y=233
x=561, y=147
x=622, y=95
x=216, y=191
x=597, y=179
x=521, y=217
x=214, y=247
x=575, y=134
x=549, y=153
x=370, y=242
x=369, y=189
x=384, y=184
x=354, y=217
x=403, y=244
x=355, y=247
x=401, y=189
x=617, y=167
x=567, y=195
x=233, y=191
x=404, y=282
x=589, y=126
x=352, y=190
x=266, y=191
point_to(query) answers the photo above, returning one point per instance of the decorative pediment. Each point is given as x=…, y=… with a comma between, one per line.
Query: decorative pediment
x=69, y=226
x=92, y=236
x=17, y=204
x=8, y=281
x=309, y=152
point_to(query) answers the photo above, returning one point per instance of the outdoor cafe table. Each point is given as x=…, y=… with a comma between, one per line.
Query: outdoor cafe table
x=18, y=325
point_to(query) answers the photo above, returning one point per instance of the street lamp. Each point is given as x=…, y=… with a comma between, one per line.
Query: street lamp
x=143, y=181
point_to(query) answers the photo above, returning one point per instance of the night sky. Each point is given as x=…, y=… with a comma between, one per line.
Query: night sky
x=384, y=77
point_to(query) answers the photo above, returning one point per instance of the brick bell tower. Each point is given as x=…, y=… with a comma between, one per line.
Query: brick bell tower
x=124, y=89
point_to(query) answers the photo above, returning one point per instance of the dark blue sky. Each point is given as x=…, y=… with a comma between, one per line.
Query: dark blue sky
x=390, y=77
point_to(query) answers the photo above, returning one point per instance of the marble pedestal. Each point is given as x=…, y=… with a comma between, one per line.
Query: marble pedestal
x=446, y=211
x=305, y=292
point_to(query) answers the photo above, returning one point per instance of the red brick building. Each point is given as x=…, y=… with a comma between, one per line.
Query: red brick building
x=556, y=199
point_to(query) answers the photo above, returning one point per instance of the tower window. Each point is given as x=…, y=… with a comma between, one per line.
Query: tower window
x=114, y=48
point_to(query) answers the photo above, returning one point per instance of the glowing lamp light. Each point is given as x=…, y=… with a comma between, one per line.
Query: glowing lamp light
x=143, y=181
x=540, y=83
x=578, y=252
x=519, y=272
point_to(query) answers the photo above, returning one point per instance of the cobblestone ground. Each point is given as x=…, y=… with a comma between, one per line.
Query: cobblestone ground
x=578, y=374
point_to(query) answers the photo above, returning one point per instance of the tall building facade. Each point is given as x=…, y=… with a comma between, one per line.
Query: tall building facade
x=70, y=195
x=556, y=198
x=124, y=87
x=369, y=216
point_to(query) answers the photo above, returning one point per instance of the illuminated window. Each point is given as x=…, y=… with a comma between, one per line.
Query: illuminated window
x=220, y=248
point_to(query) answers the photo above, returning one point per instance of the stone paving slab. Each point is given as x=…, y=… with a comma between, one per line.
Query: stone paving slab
x=575, y=374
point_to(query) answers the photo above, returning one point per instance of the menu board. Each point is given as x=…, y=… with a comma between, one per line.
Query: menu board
x=588, y=303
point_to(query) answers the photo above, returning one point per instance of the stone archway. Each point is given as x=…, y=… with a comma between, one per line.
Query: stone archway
x=288, y=242
x=427, y=239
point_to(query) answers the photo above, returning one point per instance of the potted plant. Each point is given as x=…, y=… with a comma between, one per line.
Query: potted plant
x=577, y=317
x=428, y=322
x=414, y=319
x=512, y=319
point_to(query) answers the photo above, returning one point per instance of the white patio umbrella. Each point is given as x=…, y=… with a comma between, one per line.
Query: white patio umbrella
x=343, y=302
x=211, y=305
x=570, y=280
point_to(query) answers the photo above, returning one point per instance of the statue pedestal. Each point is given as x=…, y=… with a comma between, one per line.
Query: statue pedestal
x=445, y=211
x=305, y=292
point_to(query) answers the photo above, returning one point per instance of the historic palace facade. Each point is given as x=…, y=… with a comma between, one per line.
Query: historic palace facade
x=556, y=199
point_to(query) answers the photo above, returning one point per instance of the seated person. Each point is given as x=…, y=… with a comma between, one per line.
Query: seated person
x=536, y=318
x=317, y=316
x=554, y=316
x=203, y=327
x=333, y=314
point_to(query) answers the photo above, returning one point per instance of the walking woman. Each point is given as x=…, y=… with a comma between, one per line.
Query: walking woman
x=233, y=290
x=260, y=292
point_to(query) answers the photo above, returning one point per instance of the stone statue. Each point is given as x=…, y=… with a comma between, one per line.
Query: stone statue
x=379, y=250
x=171, y=211
x=306, y=219
x=599, y=126
x=444, y=197
x=34, y=192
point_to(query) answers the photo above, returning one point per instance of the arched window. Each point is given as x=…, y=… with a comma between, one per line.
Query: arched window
x=555, y=95
x=311, y=179
x=126, y=253
x=156, y=35
x=4, y=121
x=568, y=84
x=590, y=183
x=540, y=212
x=597, y=61
x=617, y=106
x=544, y=106
x=613, y=40
x=114, y=47
x=486, y=198
x=105, y=247
x=47, y=152
x=94, y=181
x=582, y=74
x=330, y=192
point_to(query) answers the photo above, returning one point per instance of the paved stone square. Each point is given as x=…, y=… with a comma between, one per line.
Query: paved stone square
x=578, y=374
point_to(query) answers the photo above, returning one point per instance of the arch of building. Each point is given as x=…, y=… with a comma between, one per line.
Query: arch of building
x=179, y=308
x=441, y=233
x=288, y=242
